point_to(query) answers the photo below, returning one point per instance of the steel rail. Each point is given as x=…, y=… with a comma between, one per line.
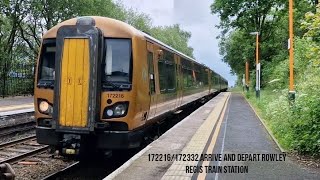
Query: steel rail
x=24, y=155
x=7, y=130
x=62, y=172
x=17, y=141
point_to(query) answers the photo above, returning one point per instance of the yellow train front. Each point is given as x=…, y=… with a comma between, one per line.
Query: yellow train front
x=101, y=83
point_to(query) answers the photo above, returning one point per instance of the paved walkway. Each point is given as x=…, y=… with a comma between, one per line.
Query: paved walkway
x=144, y=166
x=226, y=125
x=18, y=104
x=243, y=133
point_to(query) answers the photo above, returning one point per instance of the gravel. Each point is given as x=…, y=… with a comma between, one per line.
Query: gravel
x=16, y=119
x=46, y=165
x=310, y=162
x=17, y=136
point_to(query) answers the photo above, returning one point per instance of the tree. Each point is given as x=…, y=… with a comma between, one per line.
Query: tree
x=175, y=37
x=138, y=20
x=23, y=22
x=270, y=18
x=12, y=13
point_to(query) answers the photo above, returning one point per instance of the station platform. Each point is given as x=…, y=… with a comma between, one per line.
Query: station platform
x=223, y=139
x=16, y=105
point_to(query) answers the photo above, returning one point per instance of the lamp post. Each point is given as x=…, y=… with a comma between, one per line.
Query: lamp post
x=247, y=76
x=258, y=69
x=291, y=53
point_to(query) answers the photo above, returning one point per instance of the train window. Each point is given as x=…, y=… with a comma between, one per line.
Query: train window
x=216, y=80
x=162, y=76
x=171, y=73
x=188, y=74
x=196, y=79
x=204, y=76
x=213, y=80
x=187, y=78
x=117, y=64
x=167, y=73
x=47, y=63
x=196, y=76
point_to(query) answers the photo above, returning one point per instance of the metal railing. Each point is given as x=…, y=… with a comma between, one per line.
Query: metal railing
x=16, y=79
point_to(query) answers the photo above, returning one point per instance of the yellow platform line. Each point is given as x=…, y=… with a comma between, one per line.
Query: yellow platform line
x=198, y=142
x=213, y=141
x=15, y=107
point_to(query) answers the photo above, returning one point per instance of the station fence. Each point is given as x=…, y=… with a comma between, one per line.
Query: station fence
x=16, y=79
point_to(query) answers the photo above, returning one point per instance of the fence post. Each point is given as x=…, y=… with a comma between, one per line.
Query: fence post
x=4, y=79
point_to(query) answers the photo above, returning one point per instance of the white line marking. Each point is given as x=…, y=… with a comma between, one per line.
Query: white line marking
x=224, y=136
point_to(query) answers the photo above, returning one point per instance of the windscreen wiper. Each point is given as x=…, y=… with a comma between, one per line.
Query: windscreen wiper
x=46, y=84
x=111, y=84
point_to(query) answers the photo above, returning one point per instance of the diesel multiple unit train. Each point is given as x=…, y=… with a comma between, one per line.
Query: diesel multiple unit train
x=102, y=81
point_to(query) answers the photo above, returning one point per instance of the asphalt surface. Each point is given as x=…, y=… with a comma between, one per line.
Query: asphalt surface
x=16, y=105
x=242, y=133
x=14, y=101
x=171, y=142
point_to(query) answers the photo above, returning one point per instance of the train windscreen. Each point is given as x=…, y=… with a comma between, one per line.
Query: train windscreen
x=46, y=73
x=117, y=65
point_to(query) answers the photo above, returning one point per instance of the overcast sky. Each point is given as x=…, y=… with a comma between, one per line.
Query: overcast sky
x=193, y=16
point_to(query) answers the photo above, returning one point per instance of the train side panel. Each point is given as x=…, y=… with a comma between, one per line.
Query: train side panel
x=137, y=78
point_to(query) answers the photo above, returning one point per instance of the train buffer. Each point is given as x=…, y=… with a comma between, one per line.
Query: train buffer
x=223, y=139
x=15, y=105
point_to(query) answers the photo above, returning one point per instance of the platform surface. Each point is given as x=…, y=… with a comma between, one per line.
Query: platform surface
x=16, y=105
x=226, y=125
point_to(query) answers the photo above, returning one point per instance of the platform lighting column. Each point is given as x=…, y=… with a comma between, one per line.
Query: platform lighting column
x=247, y=76
x=258, y=68
x=291, y=53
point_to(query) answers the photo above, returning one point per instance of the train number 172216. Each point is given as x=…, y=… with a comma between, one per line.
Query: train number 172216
x=115, y=96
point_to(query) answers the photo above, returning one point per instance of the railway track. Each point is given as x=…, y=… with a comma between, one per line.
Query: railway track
x=18, y=150
x=62, y=172
x=25, y=152
x=30, y=160
x=16, y=123
x=17, y=128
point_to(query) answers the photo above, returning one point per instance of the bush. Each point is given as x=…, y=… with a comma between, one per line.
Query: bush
x=278, y=115
x=306, y=114
x=306, y=124
x=297, y=127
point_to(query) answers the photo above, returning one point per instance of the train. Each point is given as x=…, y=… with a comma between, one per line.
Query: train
x=102, y=82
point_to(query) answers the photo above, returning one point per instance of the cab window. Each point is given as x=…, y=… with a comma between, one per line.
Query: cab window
x=46, y=72
x=117, y=64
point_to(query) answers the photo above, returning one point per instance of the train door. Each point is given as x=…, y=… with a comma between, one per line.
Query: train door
x=74, y=83
x=76, y=90
x=179, y=81
x=152, y=84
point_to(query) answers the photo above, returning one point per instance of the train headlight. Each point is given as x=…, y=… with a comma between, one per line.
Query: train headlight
x=110, y=112
x=45, y=107
x=119, y=110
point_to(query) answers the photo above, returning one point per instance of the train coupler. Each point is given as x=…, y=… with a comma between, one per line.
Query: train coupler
x=70, y=144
